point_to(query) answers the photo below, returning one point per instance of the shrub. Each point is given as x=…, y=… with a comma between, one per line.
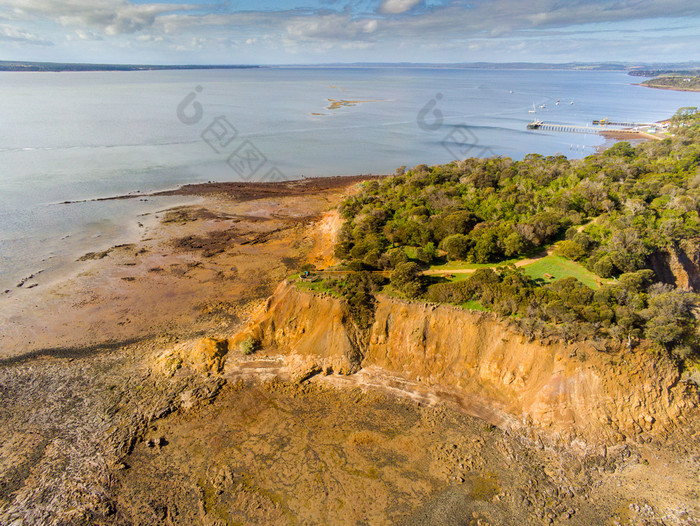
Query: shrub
x=604, y=267
x=457, y=246
x=570, y=249
x=406, y=277
x=249, y=345
x=427, y=253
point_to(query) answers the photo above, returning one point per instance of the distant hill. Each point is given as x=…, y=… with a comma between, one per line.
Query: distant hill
x=644, y=70
x=661, y=72
x=58, y=66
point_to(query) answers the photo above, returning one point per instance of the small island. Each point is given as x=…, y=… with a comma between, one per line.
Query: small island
x=336, y=104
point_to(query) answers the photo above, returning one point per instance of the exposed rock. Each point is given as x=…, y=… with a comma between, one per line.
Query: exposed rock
x=169, y=362
x=307, y=324
x=302, y=368
x=201, y=393
x=209, y=354
x=679, y=266
x=490, y=370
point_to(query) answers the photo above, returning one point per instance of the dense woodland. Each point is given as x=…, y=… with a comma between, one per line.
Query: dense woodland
x=610, y=212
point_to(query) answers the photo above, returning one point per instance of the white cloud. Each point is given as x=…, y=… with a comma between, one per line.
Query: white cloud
x=113, y=17
x=395, y=7
x=449, y=30
x=12, y=34
x=331, y=27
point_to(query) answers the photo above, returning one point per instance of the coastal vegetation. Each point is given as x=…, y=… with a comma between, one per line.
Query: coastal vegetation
x=573, y=249
x=675, y=82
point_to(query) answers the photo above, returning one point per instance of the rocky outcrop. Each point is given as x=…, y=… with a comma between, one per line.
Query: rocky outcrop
x=209, y=353
x=306, y=324
x=479, y=362
x=679, y=266
x=205, y=355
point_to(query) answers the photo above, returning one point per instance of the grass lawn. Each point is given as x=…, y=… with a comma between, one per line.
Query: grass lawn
x=455, y=265
x=315, y=286
x=559, y=267
x=473, y=305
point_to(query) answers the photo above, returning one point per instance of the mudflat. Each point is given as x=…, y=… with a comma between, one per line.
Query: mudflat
x=198, y=270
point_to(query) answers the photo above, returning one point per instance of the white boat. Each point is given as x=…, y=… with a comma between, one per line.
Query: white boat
x=533, y=110
x=543, y=106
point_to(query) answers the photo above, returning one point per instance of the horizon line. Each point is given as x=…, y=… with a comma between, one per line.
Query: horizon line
x=622, y=63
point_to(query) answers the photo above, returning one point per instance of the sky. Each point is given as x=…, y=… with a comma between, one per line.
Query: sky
x=330, y=31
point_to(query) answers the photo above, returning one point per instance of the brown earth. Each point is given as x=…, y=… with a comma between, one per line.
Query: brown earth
x=632, y=136
x=200, y=269
x=595, y=391
x=126, y=398
x=679, y=266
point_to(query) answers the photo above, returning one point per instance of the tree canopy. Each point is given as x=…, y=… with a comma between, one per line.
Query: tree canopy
x=613, y=213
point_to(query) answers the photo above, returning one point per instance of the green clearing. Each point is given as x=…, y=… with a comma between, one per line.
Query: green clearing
x=473, y=305
x=559, y=267
x=458, y=277
x=457, y=265
x=315, y=286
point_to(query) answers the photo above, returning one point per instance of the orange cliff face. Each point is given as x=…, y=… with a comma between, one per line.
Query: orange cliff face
x=476, y=361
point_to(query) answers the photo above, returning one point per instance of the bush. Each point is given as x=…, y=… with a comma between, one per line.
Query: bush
x=447, y=293
x=249, y=345
x=427, y=253
x=406, y=278
x=457, y=246
x=604, y=267
x=358, y=292
x=570, y=249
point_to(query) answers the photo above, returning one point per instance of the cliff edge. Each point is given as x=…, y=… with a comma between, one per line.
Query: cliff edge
x=475, y=360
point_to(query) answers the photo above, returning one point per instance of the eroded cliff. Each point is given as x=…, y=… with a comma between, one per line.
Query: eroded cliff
x=486, y=367
x=679, y=266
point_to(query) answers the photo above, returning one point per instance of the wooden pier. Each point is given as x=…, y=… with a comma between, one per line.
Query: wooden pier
x=605, y=122
x=568, y=128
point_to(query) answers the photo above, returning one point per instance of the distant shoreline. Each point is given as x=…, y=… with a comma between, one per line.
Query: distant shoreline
x=630, y=68
x=57, y=67
x=671, y=88
x=246, y=191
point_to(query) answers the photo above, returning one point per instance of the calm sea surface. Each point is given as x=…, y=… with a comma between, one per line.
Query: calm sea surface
x=80, y=136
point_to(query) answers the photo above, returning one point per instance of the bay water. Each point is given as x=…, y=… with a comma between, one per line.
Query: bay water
x=69, y=138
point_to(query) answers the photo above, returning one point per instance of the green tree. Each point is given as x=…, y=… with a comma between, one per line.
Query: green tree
x=570, y=249
x=486, y=247
x=427, y=253
x=407, y=278
x=457, y=246
x=604, y=267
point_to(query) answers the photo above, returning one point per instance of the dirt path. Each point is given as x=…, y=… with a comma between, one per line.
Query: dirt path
x=518, y=264
x=521, y=263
